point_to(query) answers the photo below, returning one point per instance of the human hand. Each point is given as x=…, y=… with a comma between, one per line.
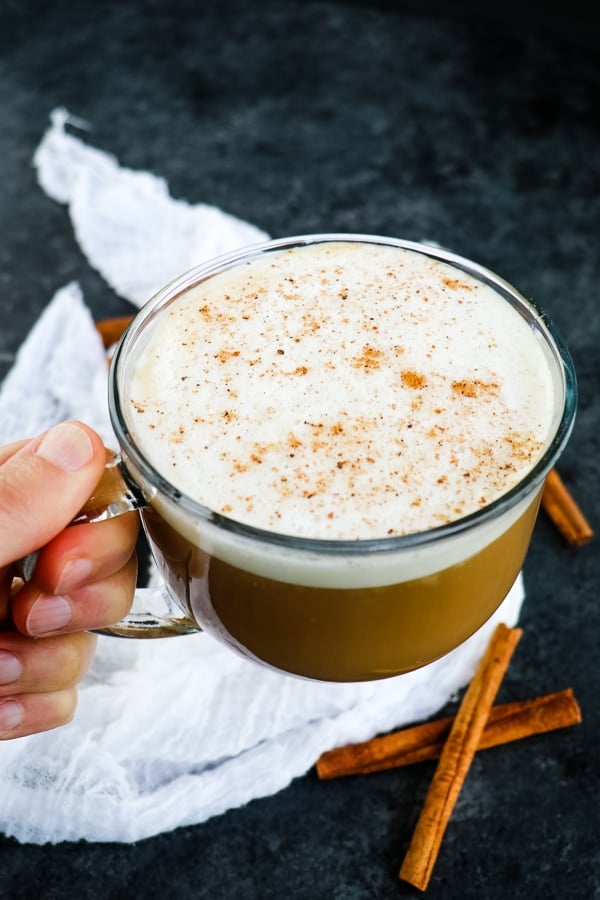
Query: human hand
x=84, y=578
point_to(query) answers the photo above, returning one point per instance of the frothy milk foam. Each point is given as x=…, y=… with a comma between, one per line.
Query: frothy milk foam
x=341, y=391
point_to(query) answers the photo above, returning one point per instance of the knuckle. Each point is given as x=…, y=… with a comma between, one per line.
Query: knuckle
x=74, y=659
x=125, y=589
x=67, y=706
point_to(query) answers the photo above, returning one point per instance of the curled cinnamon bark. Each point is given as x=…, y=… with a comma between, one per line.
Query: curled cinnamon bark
x=110, y=330
x=507, y=722
x=564, y=511
x=456, y=757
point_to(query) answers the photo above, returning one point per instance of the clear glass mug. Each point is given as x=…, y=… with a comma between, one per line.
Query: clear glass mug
x=398, y=602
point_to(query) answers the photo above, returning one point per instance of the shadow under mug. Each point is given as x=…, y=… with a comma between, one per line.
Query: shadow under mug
x=333, y=610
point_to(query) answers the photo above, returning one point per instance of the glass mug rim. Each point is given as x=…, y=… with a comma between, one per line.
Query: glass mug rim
x=534, y=315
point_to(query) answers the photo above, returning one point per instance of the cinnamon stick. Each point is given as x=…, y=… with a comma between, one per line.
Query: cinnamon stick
x=112, y=329
x=507, y=722
x=564, y=511
x=456, y=757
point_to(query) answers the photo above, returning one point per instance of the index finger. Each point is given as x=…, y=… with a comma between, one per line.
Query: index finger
x=43, y=484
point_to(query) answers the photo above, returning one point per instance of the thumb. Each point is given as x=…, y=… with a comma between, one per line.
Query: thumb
x=43, y=486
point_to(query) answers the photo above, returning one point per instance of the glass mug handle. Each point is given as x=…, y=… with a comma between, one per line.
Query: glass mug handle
x=154, y=613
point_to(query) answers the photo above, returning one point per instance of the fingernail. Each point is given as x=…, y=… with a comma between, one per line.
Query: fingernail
x=11, y=715
x=10, y=667
x=48, y=614
x=66, y=446
x=74, y=574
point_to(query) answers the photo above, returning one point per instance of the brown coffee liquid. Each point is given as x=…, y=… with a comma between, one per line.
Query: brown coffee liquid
x=340, y=634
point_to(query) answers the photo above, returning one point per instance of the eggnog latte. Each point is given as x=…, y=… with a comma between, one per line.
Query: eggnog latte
x=343, y=413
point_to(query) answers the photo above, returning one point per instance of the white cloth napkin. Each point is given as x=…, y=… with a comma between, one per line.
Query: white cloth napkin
x=167, y=732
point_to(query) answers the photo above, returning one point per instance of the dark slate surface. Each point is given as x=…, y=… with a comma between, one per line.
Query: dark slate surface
x=479, y=130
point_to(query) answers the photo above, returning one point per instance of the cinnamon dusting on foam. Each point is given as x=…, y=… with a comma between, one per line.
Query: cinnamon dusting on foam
x=342, y=391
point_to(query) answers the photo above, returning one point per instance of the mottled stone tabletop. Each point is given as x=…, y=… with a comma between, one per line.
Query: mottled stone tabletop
x=478, y=130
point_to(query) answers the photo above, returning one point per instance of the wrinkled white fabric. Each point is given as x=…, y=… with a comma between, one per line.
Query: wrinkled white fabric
x=55, y=371
x=127, y=224
x=167, y=732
